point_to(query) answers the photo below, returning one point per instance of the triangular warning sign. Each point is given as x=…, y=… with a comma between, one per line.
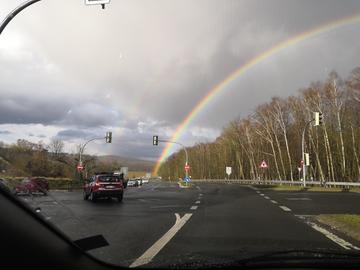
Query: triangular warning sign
x=263, y=164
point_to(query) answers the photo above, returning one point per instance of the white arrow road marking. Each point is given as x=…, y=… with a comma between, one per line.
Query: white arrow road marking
x=160, y=244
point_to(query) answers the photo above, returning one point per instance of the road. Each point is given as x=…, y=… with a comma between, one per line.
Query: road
x=215, y=222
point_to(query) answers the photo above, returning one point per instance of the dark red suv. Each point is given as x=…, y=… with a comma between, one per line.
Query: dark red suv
x=104, y=185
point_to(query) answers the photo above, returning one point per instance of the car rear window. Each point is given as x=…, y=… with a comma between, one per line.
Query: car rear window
x=109, y=178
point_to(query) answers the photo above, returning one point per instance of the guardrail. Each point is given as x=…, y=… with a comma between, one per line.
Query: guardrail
x=277, y=182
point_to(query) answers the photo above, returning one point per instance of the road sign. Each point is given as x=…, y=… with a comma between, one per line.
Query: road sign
x=80, y=167
x=307, y=159
x=299, y=169
x=96, y=2
x=228, y=170
x=124, y=170
x=263, y=165
x=187, y=167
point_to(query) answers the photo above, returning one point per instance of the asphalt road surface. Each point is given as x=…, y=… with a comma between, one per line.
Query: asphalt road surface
x=160, y=223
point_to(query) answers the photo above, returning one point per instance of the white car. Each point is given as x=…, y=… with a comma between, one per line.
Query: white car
x=145, y=180
x=133, y=183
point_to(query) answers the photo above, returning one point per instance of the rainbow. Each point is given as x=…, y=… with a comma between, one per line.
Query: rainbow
x=221, y=86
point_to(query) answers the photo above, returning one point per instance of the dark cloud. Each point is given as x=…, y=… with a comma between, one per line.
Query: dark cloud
x=70, y=134
x=144, y=65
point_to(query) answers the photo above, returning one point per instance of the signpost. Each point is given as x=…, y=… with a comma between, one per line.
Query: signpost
x=263, y=165
x=80, y=167
x=228, y=171
x=299, y=169
x=97, y=2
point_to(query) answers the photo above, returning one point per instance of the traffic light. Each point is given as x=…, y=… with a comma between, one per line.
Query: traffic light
x=155, y=140
x=108, y=137
x=320, y=118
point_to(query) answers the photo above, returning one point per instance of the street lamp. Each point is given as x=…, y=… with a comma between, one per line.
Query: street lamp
x=24, y=5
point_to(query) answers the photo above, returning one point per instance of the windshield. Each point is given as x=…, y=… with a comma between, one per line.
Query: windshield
x=233, y=126
x=106, y=178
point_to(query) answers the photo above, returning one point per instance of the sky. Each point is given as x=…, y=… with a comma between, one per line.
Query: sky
x=137, y=68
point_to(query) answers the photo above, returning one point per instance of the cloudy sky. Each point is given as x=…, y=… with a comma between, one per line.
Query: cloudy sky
x=137, y=68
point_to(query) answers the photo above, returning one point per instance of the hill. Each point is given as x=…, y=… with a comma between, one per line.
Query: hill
x=133, y=164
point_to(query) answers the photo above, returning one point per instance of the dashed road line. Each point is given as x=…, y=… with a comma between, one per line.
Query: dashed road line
x=194, y=207
x=159, y=244
x=285, y=208
x=274, y=202
x=261, y=194
x=266, y=197
x=258, y=192
x=197, y=202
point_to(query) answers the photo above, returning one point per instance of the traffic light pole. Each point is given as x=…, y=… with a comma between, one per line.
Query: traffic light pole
x=186, y=155
x=82, y=147
x=303, y=151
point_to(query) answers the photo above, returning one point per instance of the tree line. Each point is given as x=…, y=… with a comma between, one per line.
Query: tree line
x=25, y=158
x=273, y=131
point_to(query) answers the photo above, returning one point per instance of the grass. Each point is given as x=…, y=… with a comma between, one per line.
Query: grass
x=346, y=223
x=310, y=188
x=184, y=185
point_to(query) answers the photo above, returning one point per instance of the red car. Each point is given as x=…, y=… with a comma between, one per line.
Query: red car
x=104, y=185
x=32, y=185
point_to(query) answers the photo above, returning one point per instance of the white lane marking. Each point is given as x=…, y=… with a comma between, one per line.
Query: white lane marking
x=258, y=192
x=200, y=194
x=285, y=208
x=274, y=202
x=198, y=187
x=333, y=237
x=298, y=199
x=266, y=197
x=159, y=244
x=197, y=202
x=262, y=194
x=194, y=207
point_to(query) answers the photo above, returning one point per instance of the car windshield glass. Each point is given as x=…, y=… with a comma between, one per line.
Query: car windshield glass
x=187, y=133
x=107, y=178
